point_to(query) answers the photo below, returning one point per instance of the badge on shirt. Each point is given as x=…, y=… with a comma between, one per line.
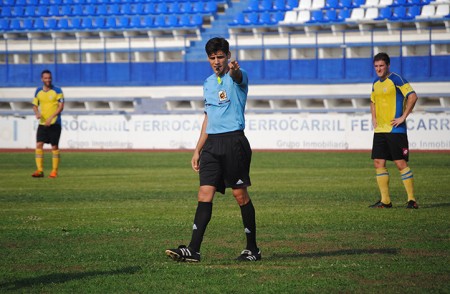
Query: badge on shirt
x=222, y=95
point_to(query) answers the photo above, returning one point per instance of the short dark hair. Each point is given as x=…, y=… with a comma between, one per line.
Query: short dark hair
x=45, y=71
x=382, y=56
x=217, y=44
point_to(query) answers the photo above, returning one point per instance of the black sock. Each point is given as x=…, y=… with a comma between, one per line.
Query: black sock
x=248, y=218
x=201, y=220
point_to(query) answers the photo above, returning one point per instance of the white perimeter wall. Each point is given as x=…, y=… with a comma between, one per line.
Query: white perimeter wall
x=273, y=131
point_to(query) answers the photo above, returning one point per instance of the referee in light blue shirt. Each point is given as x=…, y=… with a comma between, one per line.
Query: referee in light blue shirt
x=222, y=155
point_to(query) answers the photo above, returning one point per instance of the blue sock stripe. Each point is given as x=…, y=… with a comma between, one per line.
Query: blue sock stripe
x=383, y=174
x=405, y=178
x=407, y=173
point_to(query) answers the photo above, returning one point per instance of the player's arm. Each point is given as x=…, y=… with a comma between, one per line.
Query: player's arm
x=201, y=141
x=60, y=108
x=235, y=71
x=410, y=103
x=37, y=114
x=374, y=115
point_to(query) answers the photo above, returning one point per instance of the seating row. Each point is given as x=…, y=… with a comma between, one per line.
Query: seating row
x=70, y=2
x=336, y=4
x=113, y=9
x=271, y=5
x=100, y=23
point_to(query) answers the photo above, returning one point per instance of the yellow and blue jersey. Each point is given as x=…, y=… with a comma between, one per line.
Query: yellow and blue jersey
x=48, y=102
x=225, y=103
x=389, y=97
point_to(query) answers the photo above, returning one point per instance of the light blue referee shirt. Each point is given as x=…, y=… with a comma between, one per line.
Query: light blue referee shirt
x=225, y=103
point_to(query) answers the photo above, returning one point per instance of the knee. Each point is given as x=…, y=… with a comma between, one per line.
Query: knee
x=241, y=196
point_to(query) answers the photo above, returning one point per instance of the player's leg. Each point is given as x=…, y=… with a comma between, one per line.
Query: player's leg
x=55, y=134
x=41, y=137
x=400, y=153
x=380, y=153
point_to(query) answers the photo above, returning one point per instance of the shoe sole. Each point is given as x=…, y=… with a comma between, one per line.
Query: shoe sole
x=175, y=256
x=40, y=176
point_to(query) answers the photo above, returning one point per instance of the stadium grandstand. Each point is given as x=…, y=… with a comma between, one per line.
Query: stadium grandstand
x=133, y=57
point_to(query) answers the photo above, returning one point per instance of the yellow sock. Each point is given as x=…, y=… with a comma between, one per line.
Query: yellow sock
x=55, y=160
x=408, y=181
x=383, y=184
x=39, y=157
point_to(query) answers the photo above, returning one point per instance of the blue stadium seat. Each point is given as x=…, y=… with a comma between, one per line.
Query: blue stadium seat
x=413, y=2
x=385, y=13
x=253, y=18
x=172, y=21
x=330, y=16
x=99, y=23
x=332, y=4
x=4, y=24
x=56, y=2
x=77, y=10
x=148, y=21
x=66, y=10
x=253, y=5
x=16, y=25
x=185, y=20
x=197, y=20
x=239, y=20
x=30, y=11
x=278, y=16
x=124, y=22
x=186, y=7
x=78, y=2
x=279, y=5
x=358, y=3
x=42, y=11
x=89, y=10
x=8, y=2
x=135, y=22
x=316, y=16
x=39, y=24
x=265, y=18
x=413, y=11
x=18, y=11
x=399, y=13
x=174, y=8
x=125, y=9
x=114, y=9
x=44, y=2
x=211, y=7
x=344, y=14
x=291, y=4
x=31, y=2
x=345, y=4
x=67, y=2
x=63, y=24
x=54, y=10
x=199, y=7
x=266, y=5
x=102, y=9
x=149, y=8
x=399, y=3
x=50, y=24
x=160, y=21
x=111, y=22
x=28, y=24
x=137, y=8
x=6, y=11
x=75, y=23
x=162, y=8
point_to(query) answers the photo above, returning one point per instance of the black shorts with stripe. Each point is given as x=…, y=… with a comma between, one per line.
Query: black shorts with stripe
x=225, y=161
x=50, y=134
x=390, y=146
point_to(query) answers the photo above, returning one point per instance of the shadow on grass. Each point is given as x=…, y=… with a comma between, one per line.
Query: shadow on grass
x=64, y=277
x=434, y=205
x=392, y=251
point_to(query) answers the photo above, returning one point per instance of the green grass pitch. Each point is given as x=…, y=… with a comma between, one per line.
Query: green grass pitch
x=103, y=226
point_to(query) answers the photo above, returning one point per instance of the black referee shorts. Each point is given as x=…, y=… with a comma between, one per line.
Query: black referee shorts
x=225, y=161
x=50, y=134
x=390, y=146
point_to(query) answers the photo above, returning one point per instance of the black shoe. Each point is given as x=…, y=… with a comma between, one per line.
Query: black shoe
x=183, y=253
x=412, y=204
x=380, y=204
x=247, y=255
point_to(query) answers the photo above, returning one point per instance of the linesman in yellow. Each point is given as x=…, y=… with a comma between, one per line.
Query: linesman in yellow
x=48, y=103
x=392, y=100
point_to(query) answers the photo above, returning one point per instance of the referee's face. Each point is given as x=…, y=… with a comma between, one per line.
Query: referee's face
x=381, y=68
x=219, y=62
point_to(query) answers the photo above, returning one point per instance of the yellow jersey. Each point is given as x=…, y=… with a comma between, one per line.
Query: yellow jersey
x=389, y=97
x=48, y=102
